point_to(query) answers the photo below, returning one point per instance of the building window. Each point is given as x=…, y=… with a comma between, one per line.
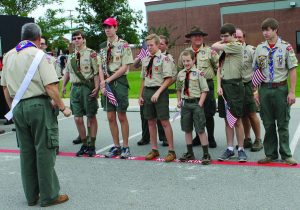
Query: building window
x=298, y=41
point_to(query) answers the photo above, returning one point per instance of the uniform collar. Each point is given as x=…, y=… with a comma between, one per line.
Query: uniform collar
x=80, y=51
x=276, y=44
x=192, y=69
x=113, y=42
x=157, y=54
x=202, y=46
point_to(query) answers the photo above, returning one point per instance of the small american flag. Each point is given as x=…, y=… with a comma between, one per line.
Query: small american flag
x=257, y=78
x=143, y=52
x=231, y=120
x=109, y=94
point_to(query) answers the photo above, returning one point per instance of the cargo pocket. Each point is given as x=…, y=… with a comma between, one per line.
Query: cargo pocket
x=52, y=138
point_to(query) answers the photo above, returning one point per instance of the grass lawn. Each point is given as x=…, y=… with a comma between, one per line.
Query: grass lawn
x=135, y=82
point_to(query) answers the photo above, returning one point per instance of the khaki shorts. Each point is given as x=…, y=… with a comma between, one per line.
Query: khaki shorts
x=249, y=103
x=192, y=115
x=158, y=110
x=81, y=103
x=119, y=87
x=233, y=92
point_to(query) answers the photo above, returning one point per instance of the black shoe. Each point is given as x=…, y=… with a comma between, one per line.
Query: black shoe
x=57, y=150
x=13, y=129
x=165, y=143
x=91, y=151
x=142, y=142
x=196, y=141
x=212, y=143
x=77, y=140
x=9, y=122
x=83, y=150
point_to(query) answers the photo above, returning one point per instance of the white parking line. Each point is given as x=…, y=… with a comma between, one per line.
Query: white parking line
x=295, y=139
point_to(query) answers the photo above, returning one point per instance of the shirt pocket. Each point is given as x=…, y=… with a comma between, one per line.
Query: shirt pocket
x=117, y=57
x=279, y=62
x=203, y=61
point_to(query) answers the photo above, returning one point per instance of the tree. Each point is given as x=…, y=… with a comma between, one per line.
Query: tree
x=23, y=7
x=93, y=12
x=53, y=28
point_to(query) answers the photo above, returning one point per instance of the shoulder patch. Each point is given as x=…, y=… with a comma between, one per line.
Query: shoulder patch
x=93, y=54
x=289, y=48
x=126, y=45
x=166, y=58
x=213, y=52
x=48, y=58
x=284, y=42
x=201, y=73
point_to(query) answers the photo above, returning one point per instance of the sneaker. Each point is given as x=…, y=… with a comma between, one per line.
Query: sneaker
x=226, y=155
x=77, y=140
x=114, y=151
x=83, y=150
x=186, y=157
x=125, y=153
x=247, y=143
x=152, y=154
x=91, y=151
x=196, y=141
x=212, y=143
x=290, y=161
x=142, y=142
x=242, y=157
x=170, y=157
x=206, y=159
x=257, y=145
x=266, y=160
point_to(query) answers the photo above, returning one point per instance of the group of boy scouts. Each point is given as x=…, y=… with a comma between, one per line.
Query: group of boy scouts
x=231, y=60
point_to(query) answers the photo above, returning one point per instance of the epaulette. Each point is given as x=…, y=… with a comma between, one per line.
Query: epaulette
x=284, y=42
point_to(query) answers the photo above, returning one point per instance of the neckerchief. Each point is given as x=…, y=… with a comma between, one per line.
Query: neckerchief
x=78, y=60
x=187, y=83
x=271, y=62
x=149, y=67
x=24, y=44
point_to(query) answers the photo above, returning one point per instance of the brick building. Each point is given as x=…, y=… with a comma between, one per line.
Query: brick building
x=211, y=14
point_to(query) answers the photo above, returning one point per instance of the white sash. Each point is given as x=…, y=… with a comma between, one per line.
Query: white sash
x=25, y=83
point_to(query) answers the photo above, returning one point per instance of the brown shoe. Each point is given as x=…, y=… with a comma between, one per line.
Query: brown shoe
x=170, y=157
x=265, y=160
x=152, y=154
x=257, y=145
x=59, y=200
x=290, y=161
x=206, y=159
x=186, y=157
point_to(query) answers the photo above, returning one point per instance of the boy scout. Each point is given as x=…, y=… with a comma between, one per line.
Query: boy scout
x=156, y=77
x=192, y=89
x=116, y=56
x=230, y=86
x=206, y=61
x=276, y=59
x=36, y=123
x=249, y=118
x=82, y=71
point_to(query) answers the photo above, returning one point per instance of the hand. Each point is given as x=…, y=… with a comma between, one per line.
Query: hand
x=63, y=93
x=67, y=112
x=102, y=90
x=95, y=92
x=200, y=104
x=291, y=99
x=220, y=91
x=179, y=104
x=141, y=101
x=256, y=98
x=155, y=97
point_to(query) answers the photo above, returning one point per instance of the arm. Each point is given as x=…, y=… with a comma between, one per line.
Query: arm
x=218, y=46
x=66, y=80
x=179, y=102
x=291, y=96
x=164, y=86
x=96, y=89
x=141, y=100
x=202, y=98
x=120, y=72
x=219, y=88
x=137, y=63
x=7, y=96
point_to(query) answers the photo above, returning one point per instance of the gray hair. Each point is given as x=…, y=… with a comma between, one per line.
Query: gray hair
x=31, y=32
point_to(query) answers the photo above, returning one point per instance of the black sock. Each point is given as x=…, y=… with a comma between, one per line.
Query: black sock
x=205, y=149
x=190, y=148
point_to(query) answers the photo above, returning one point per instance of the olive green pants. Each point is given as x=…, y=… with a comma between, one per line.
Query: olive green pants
x=37, y=135
x=275, y=110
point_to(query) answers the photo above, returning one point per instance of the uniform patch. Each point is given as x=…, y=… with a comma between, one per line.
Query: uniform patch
x=48, y=58
x=156, y=68
x=93, y=55
x=126, y=45
x=86, y=67
x=213, y=52
x=289, y=48
x=201, y=73
x=167, y=59
x=202, y=52
x=194, y=73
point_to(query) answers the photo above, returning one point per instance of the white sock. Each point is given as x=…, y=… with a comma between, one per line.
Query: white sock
x=230, y=148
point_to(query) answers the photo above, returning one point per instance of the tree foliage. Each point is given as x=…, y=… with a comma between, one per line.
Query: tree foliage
x=93, y=12
x=23, y=7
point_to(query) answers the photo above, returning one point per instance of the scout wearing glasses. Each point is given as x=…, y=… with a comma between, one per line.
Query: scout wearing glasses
x=276, y=59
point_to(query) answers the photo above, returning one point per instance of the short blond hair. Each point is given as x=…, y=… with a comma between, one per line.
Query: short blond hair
x=153, y=37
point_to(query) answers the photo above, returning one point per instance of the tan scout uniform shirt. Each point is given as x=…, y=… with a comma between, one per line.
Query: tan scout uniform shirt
x=121, y=55
x=88, y=65
x=233, y=64
x=197, y=83
x=174, y=69
x=248, y=53
x=161, y=69
x=15, y=67
x=207, y=61
x=284, y=59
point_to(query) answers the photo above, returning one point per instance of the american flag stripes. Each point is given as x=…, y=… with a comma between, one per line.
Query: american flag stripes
x=257, y=78
x=109, y=94
x=231, y=120
x=143, y=52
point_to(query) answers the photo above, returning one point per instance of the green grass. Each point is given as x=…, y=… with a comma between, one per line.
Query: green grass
x=134, y=79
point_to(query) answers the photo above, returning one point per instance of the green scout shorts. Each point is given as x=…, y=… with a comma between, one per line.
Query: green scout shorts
x=210, y=102
x=119, y=87
x=81, y=103
x=249, y=103
x=158, y=110
x=233, y=92
x=192, y=114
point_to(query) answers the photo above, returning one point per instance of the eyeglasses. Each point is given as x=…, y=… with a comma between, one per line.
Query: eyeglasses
x=224, y=36
x=77, y=38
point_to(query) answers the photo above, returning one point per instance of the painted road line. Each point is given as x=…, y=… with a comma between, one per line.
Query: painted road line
x=295, y=139
x=141, y=158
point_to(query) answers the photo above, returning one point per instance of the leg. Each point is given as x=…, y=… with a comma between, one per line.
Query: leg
x=124, y=127
x=229, y=134
x=145, y=130
x=153, y=133
x=113, y=125
x=246, y=125
x=80, y=127
x=239, y=133
x=169, y=133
